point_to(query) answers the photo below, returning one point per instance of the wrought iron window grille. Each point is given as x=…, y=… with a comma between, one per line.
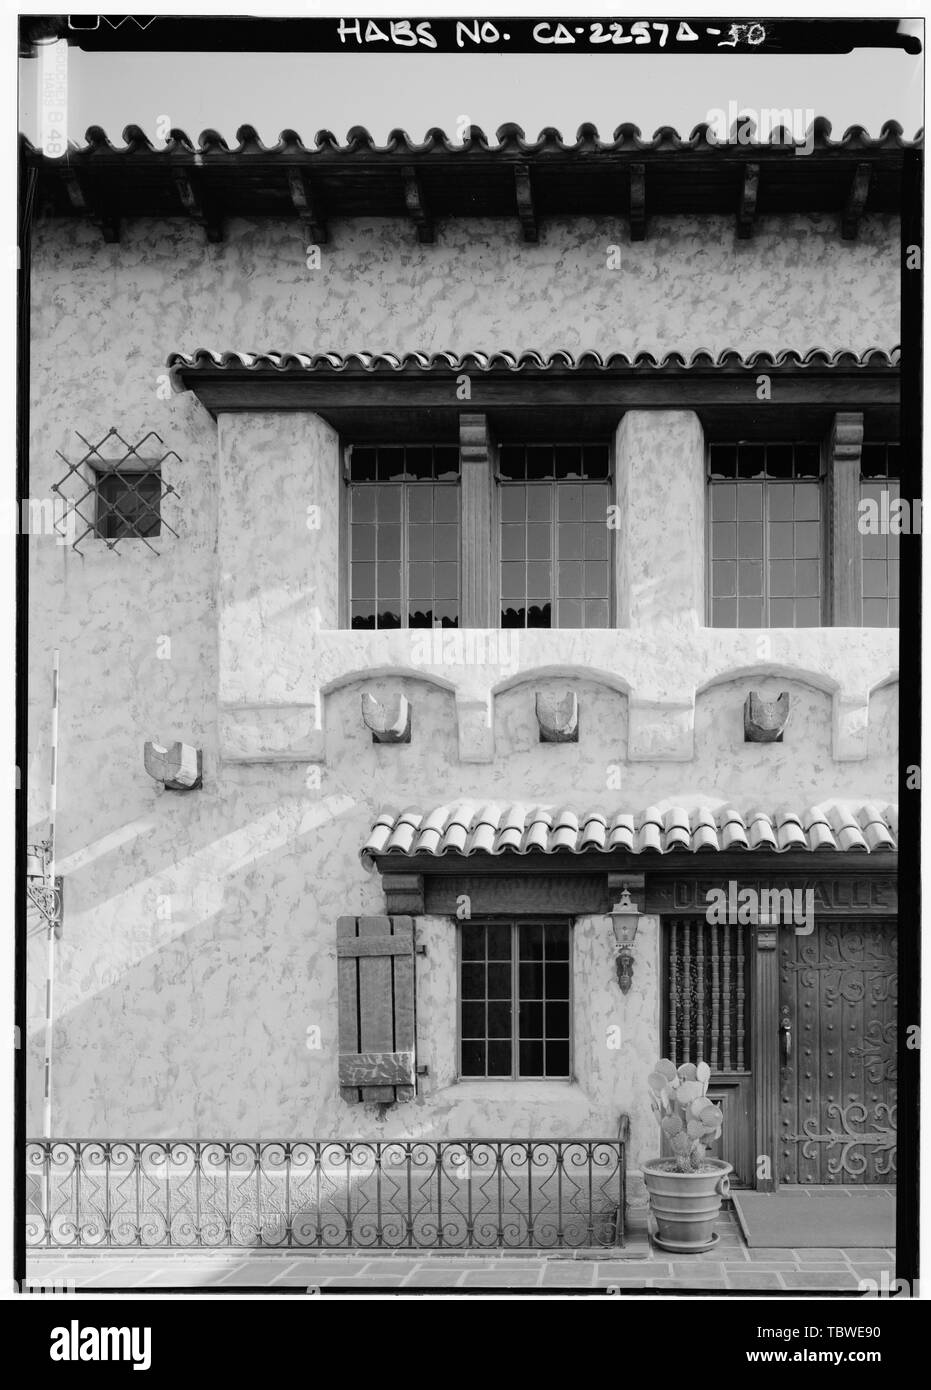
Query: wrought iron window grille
x=87, y=490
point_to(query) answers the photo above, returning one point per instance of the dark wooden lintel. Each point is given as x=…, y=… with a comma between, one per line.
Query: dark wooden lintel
x=525, y=206
x=856, y=202
x=683, y=864
x=638, y=202
x=748, y=197
x=248, y=390
x=307, y=205
x=416, y=207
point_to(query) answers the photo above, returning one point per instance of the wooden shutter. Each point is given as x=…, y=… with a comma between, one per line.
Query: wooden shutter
x=375, y=962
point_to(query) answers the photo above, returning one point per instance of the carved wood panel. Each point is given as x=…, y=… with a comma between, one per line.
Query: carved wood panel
x=837, y=1117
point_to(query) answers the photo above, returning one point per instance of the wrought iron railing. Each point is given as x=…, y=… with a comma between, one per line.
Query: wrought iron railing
x=399, y=1194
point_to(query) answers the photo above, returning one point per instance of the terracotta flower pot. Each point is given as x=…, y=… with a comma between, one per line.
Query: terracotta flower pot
x=686, y=1205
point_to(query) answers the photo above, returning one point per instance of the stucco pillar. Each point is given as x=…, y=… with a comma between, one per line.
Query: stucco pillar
x=278, y=560
x=660, y=555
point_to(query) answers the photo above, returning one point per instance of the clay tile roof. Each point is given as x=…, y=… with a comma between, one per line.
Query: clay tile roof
x=510, y=140
x=322, y=180
x=206, y=361
x=467, y=828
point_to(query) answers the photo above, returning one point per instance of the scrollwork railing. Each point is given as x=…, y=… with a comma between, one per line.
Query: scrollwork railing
x=121, y=1194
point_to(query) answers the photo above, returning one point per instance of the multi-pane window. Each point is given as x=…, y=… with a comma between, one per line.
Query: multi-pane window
x=766, y=534
x=515, y=1000
x=879, y=475
x=128, y=502
x=404, y=536
x=555, y=541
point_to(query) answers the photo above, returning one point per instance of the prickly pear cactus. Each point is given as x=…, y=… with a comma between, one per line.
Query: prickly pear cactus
x=679, y=1097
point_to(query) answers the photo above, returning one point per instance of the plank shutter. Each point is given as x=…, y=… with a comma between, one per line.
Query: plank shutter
x=375, y=964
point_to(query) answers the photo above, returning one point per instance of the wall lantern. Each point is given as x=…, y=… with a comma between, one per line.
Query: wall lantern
x=625, y=918
x=42, y=889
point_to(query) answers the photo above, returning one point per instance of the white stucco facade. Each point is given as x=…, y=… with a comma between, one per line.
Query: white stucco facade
x=199, y=941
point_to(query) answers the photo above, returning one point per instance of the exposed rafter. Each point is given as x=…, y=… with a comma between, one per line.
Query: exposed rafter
x=748, y=196
x=307, y=205
x=856, y=202
x=525, y=207
x=78, y=197
x=416, y=207
x=194, y=204
x=472, y=177
x=638, y=202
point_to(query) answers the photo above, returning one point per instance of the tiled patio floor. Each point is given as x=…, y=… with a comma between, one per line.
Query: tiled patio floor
x=640, y=1265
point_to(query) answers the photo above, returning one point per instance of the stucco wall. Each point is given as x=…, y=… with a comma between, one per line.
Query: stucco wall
x=199, y=943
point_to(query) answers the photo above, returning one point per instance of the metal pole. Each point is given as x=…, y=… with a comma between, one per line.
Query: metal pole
x=50, y=871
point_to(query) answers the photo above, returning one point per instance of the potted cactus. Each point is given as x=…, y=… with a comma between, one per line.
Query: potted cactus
x=686, y=1189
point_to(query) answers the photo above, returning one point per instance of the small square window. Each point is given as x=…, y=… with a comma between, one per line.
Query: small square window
x=128, y=503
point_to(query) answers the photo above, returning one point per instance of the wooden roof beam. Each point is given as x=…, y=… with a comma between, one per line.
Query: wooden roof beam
x=525, y=206
x=856, y=202
x=307, y=206
x=416, y=207
x=748, y=196
x=107, y=221
x=195, y=206
x=638, y=202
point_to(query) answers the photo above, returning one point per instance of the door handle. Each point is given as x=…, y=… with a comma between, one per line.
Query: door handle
x=785, y=1026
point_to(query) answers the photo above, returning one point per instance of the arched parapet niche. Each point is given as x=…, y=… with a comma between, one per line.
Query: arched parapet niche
x=588, y=763
x=796, y=771
x=884, y=722
x=296, y=731
x=361, y=703
x=659, y=729
x=848, y=688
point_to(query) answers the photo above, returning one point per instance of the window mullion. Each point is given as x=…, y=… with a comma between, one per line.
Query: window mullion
x=405, y=605
x=554, y=540
x=515, y=1002
x=764, y=551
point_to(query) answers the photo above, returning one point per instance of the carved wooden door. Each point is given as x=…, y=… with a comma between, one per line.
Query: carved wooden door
x=837, y=1038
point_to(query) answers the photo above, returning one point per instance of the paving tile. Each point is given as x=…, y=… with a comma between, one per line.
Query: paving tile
x=876, y=1252
x=381, y=1281
x=683, y=1270
x=821, y=1255
x=584, y=1275
x=627, y=1282
x=755, y=1279
x=817, y=1279
x=452, y=1267
x=686, y=1284
x=644, y=1269
x=512, y=1279
x=328, y=1269
x=433, y=1278
x=400, y=1267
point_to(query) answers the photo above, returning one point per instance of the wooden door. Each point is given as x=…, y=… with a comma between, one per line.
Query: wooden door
x=837, y=1038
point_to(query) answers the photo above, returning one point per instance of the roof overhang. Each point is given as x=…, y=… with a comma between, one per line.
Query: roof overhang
x=510, y=858
x=336, y=386
x=525, y=181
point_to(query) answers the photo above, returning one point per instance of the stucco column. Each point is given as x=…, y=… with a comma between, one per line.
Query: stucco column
x=660, y=492
x=279, y=561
